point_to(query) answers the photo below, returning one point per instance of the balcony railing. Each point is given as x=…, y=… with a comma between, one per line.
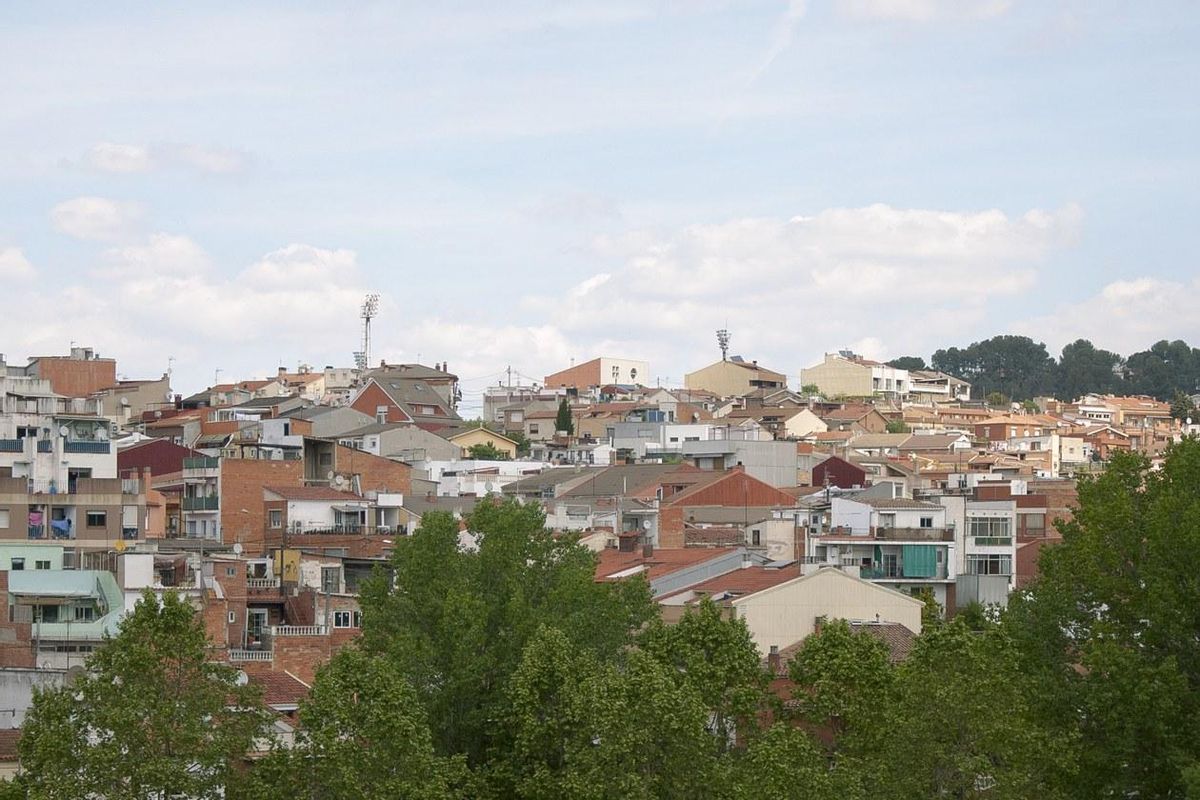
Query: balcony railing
x=262, y=583
x=250, y=655
x=297, y=630
x=894, y=534
x=201, y=462
x=993, y=541
x=201, y=503
x=99, y=448
x=12, y=446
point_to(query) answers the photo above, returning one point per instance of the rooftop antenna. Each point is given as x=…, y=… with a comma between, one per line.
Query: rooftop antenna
x=723, y=343
x=370, y=310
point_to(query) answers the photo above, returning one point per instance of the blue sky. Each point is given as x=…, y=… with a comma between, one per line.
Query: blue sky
x=527, y=183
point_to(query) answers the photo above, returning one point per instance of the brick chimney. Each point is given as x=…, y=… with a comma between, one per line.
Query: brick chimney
x=647, y=550
x=774, y=660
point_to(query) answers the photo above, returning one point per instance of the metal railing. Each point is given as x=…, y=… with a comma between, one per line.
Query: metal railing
x=201, y=462
x=211, y=503
x=250, y=655
x=992, y=541
x=100, y=448
x=12, y=445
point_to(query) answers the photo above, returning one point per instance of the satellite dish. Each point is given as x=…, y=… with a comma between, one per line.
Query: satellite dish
x=329, y=475
x=64, y=430
x=339, y=480
x=241, y=679
x=237, y=548
x=646, y=524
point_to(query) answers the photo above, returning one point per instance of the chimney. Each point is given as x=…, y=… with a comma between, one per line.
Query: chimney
x=282, y=371
x=774, y=661
x=647, y=550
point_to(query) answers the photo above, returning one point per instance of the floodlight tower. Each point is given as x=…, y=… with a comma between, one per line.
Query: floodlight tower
x=723, y=342
x=370, y=310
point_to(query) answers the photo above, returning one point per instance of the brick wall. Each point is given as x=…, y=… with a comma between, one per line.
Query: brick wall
x=581, y=376
x=376, y=474
x=16, y=638
x=372, y=397
x=75, y=377
x=242, y=483
x=670, y=527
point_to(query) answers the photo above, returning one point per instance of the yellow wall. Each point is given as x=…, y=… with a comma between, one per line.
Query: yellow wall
x=727, y=379
x=787, y=613
x=839, y=377
x=484, y=436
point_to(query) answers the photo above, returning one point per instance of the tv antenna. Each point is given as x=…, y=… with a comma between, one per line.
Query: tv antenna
x=723, y=342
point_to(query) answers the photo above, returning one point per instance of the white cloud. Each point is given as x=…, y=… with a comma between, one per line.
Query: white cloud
x=114, y=157
x=922, y=10
x=159, y=254
x=1125, y=316
x=95, y=218
x=14, y=266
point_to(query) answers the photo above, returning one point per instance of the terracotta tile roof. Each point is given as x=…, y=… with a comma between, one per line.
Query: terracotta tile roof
x=312, y=493
x=280, y=688
x=714, y=535
x=663, y=561
x=742, y=582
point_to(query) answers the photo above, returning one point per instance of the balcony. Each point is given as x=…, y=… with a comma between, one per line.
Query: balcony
x=211, y=503
x=12, y=446
x=297, y=630
x=96, y=448
x=992, y=541
x=914, y=534
x=201, y=462
x=262, y=583
x=250, y=655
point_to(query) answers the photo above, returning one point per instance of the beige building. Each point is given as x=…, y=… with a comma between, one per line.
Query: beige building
x=847, y=375
x=734, y=378
x=784, y=614
x=483, y=436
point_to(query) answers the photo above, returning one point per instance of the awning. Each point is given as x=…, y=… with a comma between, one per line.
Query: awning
x=350, y=509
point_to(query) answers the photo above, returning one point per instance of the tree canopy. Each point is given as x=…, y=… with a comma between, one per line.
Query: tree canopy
x=152, y=718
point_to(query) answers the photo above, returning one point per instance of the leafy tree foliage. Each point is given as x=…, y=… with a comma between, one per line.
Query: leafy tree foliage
x=456, y=621
x=151, y=719
x=486, y=451
x=1182, y=407
x=564, y=421
x=364, y=736
x=1084, y=368
x=908, y=362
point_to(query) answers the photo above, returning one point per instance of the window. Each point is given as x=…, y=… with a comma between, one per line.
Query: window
x=991, y=564
x=756, y=538
x=994, y=530
x=97, y=519
x=276, y=518
x=342, y=619
x=41, y=564
x=3, y=517
x=1035, y=522
x=329, y=579
x=381, y=413
x=232, y=618
x=357, y=619
x=18, y=564
x=231, y=572
x=926, y=522
x=84, y=613
x=533, y=428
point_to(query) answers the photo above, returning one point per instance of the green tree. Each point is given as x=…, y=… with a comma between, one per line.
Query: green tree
x=908, y=362
x=932, y=613
x=717, y=657
x=1162, y=370
x=456, y=621
x=152, y=717
x=486, y=451
x=1182, y=407
x=587, y=728
x=810, y=390
x=997, y=400
x=564, y=421
x=364, y=736
x=1015, y=366
x=1107, y=633
x=898, y=426
x=787, y=763
x=954, y=744
x=1083, y=368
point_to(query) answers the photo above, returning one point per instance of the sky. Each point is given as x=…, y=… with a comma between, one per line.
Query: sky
x=217, y=186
